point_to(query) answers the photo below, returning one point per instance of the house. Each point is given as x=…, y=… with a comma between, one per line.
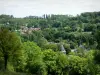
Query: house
x=25, y=29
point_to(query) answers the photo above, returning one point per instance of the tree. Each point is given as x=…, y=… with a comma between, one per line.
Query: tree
x=67, y=48
x=78, y=65
x=10, y=44
x=52, y=46
x=50, y=58
x=33, y=55
x=97, y=36
x=56, y=62
x=62, y=64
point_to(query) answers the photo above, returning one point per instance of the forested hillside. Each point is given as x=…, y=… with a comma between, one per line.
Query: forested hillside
x=50, y=44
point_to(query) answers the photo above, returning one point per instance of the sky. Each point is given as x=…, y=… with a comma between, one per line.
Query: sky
x=22, y=8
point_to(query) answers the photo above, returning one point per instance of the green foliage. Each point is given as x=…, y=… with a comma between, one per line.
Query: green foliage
x=40, y=54
x=52, y=46
x=50, y=61
x=33, y=55
x=67, y=48
x=97, y=36
x=13, y=73
x=62, y=64
x=10, y=44
x=78, y=65
x=56, y=63
x=97, y=56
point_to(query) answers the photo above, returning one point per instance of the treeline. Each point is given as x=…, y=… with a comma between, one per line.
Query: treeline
x=57, y=27
x=51, y=44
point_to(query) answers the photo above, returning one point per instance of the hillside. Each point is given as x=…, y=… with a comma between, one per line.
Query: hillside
x=50, y=44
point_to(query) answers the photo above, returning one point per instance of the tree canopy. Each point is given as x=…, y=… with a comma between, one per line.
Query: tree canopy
x=10, y=44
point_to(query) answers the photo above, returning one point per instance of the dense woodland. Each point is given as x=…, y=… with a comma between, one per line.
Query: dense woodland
x=50, y=44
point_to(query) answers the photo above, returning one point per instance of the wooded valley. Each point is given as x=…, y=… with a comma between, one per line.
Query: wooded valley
x=50, y=44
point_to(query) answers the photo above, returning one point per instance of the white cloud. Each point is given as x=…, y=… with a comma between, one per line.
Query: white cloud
x=21, y=8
